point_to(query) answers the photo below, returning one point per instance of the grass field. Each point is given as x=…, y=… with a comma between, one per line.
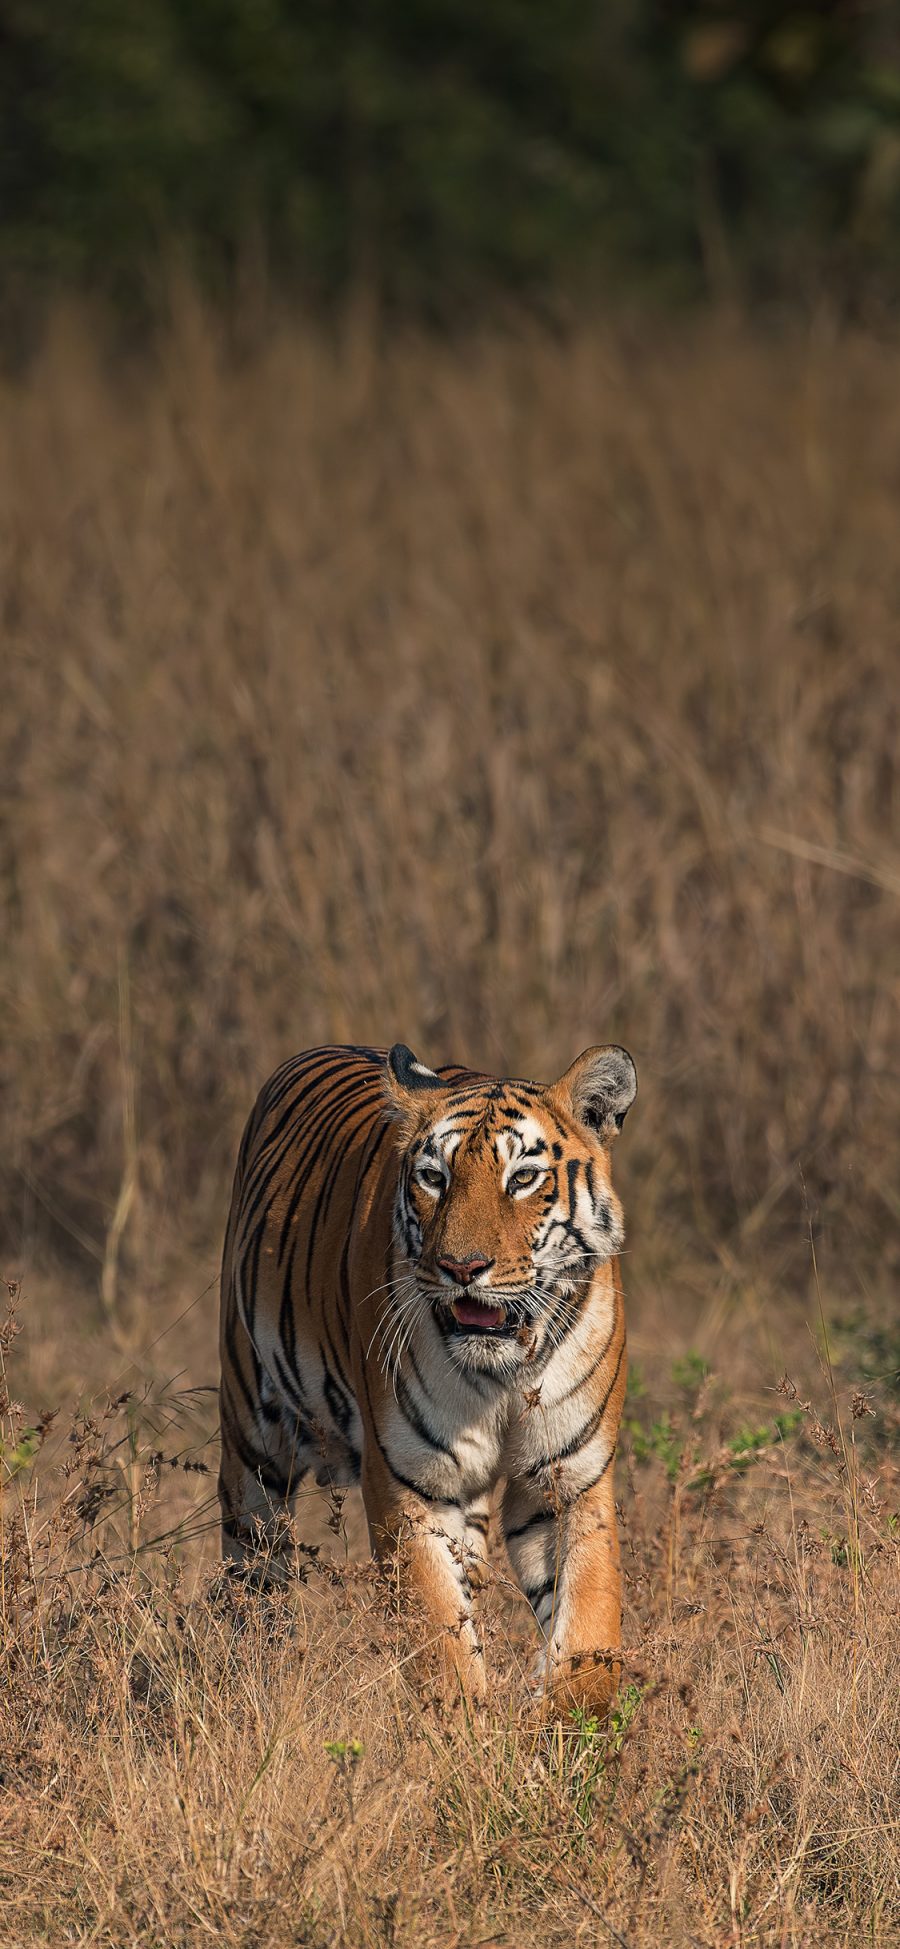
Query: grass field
x=499, y=698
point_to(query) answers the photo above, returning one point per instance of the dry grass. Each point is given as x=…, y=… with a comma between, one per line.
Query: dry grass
x=500, y=699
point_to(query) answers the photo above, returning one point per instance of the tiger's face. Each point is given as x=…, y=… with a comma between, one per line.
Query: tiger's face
x=505, y=1205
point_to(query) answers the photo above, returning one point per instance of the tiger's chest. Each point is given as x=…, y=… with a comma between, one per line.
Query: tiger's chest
x=445, y=1435
x=450, y=1451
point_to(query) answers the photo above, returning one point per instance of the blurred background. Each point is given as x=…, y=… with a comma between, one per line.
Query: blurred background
x=437, y=154
x=448, y=539
x=450, y=580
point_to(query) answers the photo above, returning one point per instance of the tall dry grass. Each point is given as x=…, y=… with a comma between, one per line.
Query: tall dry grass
x=500, y=697
x=185, y=1761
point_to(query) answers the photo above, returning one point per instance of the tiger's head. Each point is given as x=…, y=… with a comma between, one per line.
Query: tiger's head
x=504, y=1204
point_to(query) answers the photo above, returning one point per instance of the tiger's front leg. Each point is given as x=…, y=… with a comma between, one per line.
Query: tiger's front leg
x=566, y=1558
x=427, y=1545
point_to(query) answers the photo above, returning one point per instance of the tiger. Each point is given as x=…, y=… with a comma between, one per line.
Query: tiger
x=421, y=1294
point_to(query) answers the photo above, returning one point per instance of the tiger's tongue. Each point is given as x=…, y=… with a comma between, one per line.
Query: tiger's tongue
x=471, y=1312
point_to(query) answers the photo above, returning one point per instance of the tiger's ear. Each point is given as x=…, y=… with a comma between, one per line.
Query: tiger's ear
x=409, y=1084
x=599, y=1089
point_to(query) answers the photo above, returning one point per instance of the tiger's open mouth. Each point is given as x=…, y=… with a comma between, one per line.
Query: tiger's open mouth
x=476, y=1315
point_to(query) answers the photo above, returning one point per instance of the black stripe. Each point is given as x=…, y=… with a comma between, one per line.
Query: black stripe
x=261, y=1466
x=236, y=1370
x=335, y=1355
x=287, y=1327
x=571, y=1175
x=418, y=1373
x=540, y=1516
x=588, y=1429
x=536, y=1593
x=282, y=1080
x=418, y=1422
x=585, y=1490
x=592, y=1369
x=309, y=1137
x=319, y=1076
x=344, y=1296
x=336, y=1399
x=308, y=1060
x=356, y=1136
x=312, y=1129
x=459, y=1115
x=447, y=1502
x=267, y=1165
x=290, y=1382
x=249, y=1279
x=572, y=1316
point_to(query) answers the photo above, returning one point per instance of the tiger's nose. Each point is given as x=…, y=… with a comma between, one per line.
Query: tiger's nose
x=465, y=1270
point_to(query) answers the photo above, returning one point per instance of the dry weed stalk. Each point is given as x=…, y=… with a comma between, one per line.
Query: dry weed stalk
x=185, y=1755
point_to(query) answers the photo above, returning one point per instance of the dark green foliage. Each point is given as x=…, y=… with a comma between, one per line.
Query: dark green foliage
x=428, y=150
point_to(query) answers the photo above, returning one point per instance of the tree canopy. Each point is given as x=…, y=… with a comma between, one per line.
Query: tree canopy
x=438, y=147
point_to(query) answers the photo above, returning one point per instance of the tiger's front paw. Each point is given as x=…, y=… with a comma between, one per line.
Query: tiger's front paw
x=446, y=1678
x=579, y=1681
